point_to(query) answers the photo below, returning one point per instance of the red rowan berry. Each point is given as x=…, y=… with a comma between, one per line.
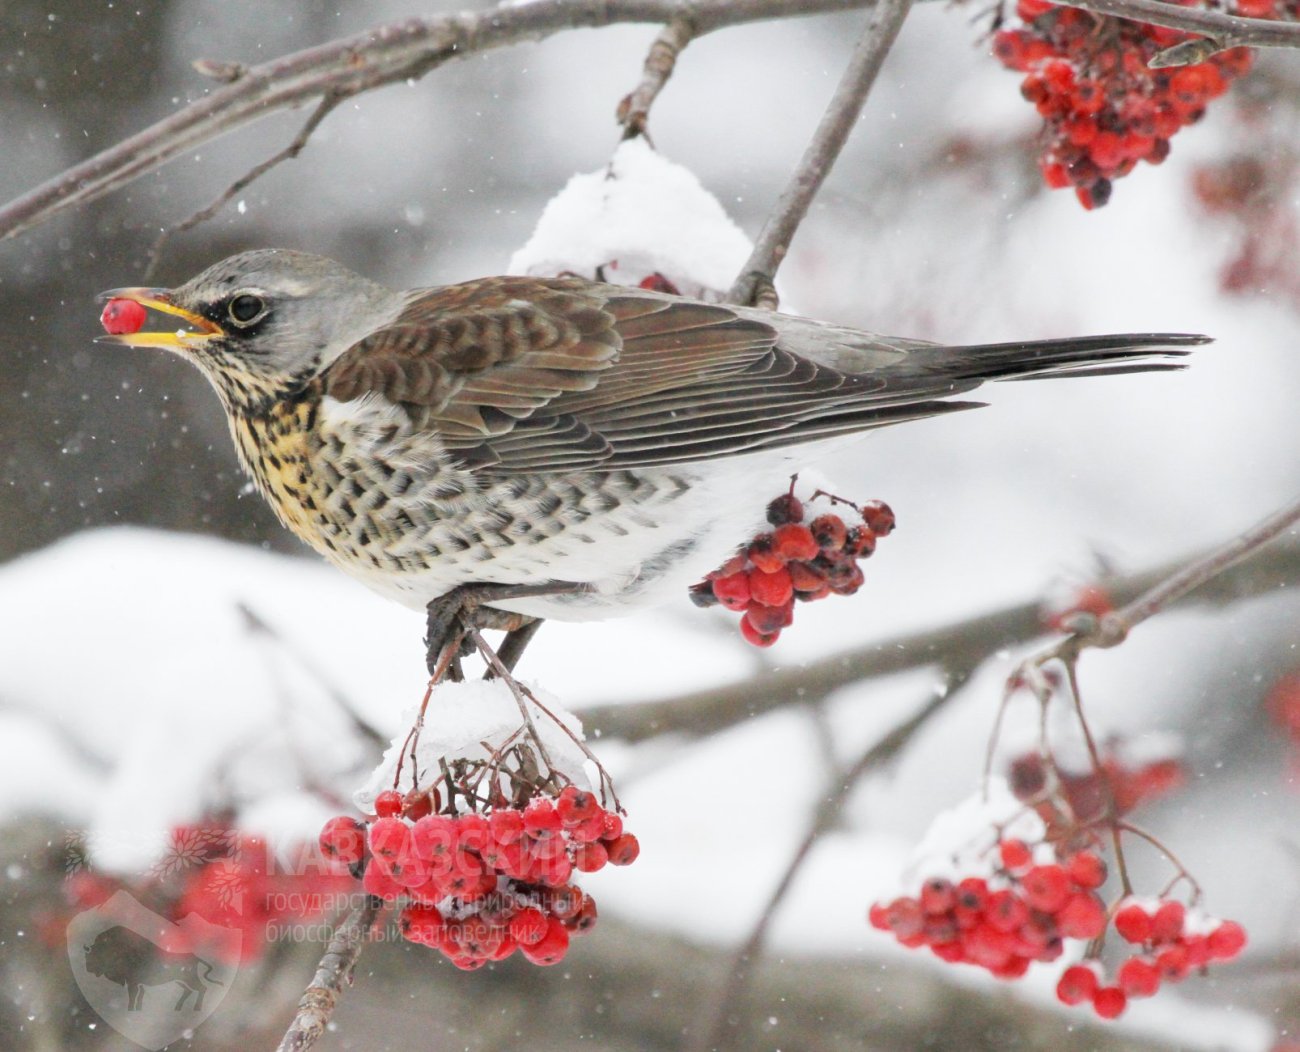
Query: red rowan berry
x=754, y=637
x=623, y=850
x=1167, y=924
x=763, y=555
x=389, y=837
x=1138, y=977
x=1087, y=870
x=551, y=947
x=1082, y=917
x=1015, y=854
x=122, y=316
x=343, y=839
x=575, y=806
x=732, y=591
x=1046, y=887
x=1133, y=923
x=829, y=532
x=388, y=804
x=528, y=926
x=589, y=858
x=1226, y=940
x=771, y=589
x=794, y=541
x=879, y=517
x=540, y=819
x=1109, y=1002
x=1077, y=984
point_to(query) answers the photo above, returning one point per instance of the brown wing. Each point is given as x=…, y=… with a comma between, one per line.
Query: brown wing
x=525, y=375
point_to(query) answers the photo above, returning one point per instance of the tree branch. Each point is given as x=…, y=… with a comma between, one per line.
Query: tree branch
x=957, y=647
x=387, y=54
x=1226, y=31
x=332, y=974
x=754, y=283
x=634, y=108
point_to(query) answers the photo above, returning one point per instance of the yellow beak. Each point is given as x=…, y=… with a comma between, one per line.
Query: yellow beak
x=201, y=329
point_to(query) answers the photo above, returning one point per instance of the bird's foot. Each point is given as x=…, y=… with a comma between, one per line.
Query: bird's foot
x=453, y=615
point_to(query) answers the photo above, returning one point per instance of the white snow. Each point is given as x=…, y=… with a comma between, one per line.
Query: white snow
x=639, y=215
x=471, y=720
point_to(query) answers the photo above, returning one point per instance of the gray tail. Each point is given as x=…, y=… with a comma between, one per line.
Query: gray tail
x=1076, y=356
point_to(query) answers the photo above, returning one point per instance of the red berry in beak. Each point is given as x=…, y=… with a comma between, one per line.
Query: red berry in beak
x=122, y=316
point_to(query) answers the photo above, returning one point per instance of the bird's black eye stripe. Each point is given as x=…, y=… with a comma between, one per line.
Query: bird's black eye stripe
x=245, y=308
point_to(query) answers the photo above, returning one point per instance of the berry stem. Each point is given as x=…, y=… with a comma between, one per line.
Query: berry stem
x=1183, y=872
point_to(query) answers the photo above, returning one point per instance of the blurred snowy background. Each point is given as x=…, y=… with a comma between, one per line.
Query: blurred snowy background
x=135, y=694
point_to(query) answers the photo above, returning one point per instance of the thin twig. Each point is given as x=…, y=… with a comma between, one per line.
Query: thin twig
x=332, y=974
x=387, y=54
x=660, y=61
x=754, y=283
x=323, y=109
x=824, y=819
x=1197, y=573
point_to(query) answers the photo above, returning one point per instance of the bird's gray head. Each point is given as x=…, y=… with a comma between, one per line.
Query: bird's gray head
x=263, y=324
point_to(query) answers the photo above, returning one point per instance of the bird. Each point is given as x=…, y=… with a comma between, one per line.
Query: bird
x=537, y=448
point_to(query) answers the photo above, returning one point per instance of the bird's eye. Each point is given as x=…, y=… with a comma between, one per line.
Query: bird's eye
x=246, y=308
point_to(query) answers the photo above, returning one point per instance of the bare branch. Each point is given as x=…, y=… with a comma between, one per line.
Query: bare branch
x=634, y=108
x=332, y=974
x=957, y=647
x=839, y=790
x=754, y=284
x=323, y=109
x=1224, y=30
x=1207, y=567
x=387, y=54
x=1112, y=629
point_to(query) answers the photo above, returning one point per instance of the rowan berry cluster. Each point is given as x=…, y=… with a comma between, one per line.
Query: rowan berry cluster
x=1105, y=108
x=1021, y=913
x=1283, y=704
x=478, y=886
x=801, y=559
x=1034, y=899
x=1172, y=944
x=228, y=878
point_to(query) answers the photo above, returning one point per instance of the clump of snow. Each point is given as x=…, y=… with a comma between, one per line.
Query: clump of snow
x=960, y=842
x=472, y=720
x=640, y=215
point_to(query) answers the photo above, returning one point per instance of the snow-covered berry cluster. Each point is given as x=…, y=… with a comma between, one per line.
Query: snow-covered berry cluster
x=1172, y=941
x=803, y=558
x=1105, y=108
x=1021, y=913
x=477, y=886
x=1001, y=888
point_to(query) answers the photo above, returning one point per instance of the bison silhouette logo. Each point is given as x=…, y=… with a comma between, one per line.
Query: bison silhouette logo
x=147, y=977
